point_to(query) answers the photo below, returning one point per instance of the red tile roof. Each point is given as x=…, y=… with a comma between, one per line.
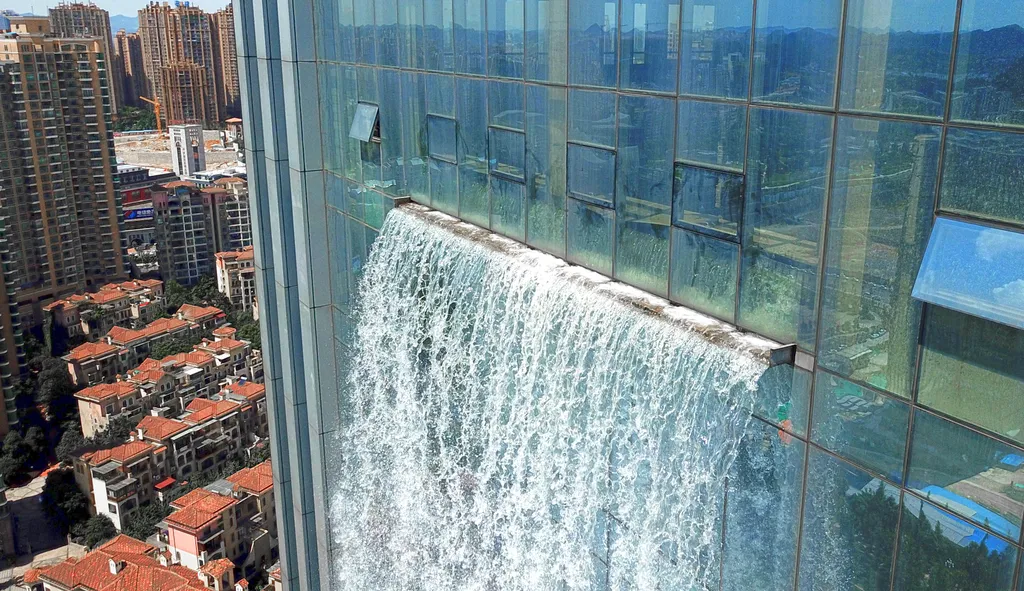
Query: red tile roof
x=224, y=331
x=160, y=428
x=122, y=454
x=91, y=351
x=176, y=184
x=192, y=358
x=102, y=392
x=199, y=414
x=217, y=568
x=245, y=254
x=198, y=508
x=258, y=479
x=139, y=570
x=196, y=313
x=129, y=545
x=159, y=326
x=222, y=344
x=250, y=390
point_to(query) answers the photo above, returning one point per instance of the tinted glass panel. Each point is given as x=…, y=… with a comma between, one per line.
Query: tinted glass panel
x=410, y=34
x=799, y=44
x=591, y=174
x=363, y=122
x=650, y=45
x=591, y=238
x=471, y=145
x=949, y=553
x=849, y=531
x=414, y=134
x=335, y=30
x=507, y=152
x=386, y=13
x=469, y=36
x=547, y=40
x=507, y=214
x=392, y=173
x=882, y=38
x=592, y=117
x=859, y=424
x=505, y=40
x=348, y=97
x=784, y=397
x=704, y=273
x=971, y=369
x=997, y=194
x=593, y=43
x=365, y=32
x=444, y=188
x=982, y=482
x=505, y=104
x=711, y=133
x=438, y=35
x=762, y=518
x=707, y=200
x=331, y=113
x=787, y=173
x=441, y=137
x=546, y=168
x=716, y=47
x=974, y=269
x=987, y=81
x=440, y=94
x=881, y=210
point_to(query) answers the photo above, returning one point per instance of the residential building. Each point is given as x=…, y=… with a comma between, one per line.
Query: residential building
x=227, y=204
x=12, y=345
x=60, y=202
x=89, y=316
x=101, y=403
x=236, y=277
x=841, y=176
x=222, y=25
x=188, y=94
x=128, y=47
x=135, y=184
x=77, y=20
x=188, y=152
x=183, y=232
x=120, y=480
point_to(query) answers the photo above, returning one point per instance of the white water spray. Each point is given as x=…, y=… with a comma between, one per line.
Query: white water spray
x=505, y=427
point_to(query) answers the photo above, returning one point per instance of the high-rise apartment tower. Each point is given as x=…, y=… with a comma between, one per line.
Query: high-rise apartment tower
x=78, y=20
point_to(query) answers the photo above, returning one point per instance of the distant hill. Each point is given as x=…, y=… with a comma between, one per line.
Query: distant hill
x=129, y=23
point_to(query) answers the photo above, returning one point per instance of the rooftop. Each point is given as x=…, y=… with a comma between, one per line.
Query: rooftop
x=244, y=254
x=155, y=427
x=197, y=508
x=102, y=392
x=248, y=389
x=121, y=454
x=90, y=351
x=197, y=313
x=258, y=479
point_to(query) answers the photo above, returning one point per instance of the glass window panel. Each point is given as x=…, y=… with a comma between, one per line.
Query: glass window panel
x=797, y=42
x=505, y=38
x=546, y=168
x=410, y=33
x=707, y=200
x=983, y=481
x=505, y=104
x=374, y=209
x=787, y=174
x=591, y=174
x=348, y=98
x=883, y=193
x=441, y=137
x=547, y=40
x=971, y=369
x=331, y=111
x=784, y=397
x=849, y=528
x=711, y=133
x=650, y=45
x=354, y=200
x=593, y=43
x=999, y=193
x=438, y=35
x=941, y=551
x=591, y=236
x=974, y=269
x=507, y=152
x=896, y=56
x=444, y=188
x=469, y=37
x=762, y=519
x=337, y=239
x=471, y=146
x=704, y=273
x=363, y=122
x=334, y=191
x=367, y=85
x=474, y=204
x=507, y=214
x=861, y=425
x=987, y=83
x=641, y=248
x=336, y=30
x=592, y=117
x=392, y=169
x=440, y=95
x=716, y=48
x=386, y=13
x=366, y=52
x=414, y=134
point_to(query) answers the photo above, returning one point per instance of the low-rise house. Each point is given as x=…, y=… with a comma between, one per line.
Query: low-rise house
x=94, y=363
x=93, y=314
x=205, y=317
x=236, y=277
x=119, y=480
x=100, y=404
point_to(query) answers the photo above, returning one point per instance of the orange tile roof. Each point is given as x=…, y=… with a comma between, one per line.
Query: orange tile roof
x=244, y=254
x=159, y=326
x=213, y=189
x=193, y=313
x=127, y=544
x=91, y=351
x=229, y=180
x=258, y=479
x=198, y=508
x=140, y=571
x=217, y=568
x=31, y=576
x=176, y=184
x=222, y=344
x=107, y=296
x=122, y=454
x=276, y=574
x=101, y=392
x=159, y=427
x=250, y=390
x=192, y=358
x=209, y=411
x=224, y=331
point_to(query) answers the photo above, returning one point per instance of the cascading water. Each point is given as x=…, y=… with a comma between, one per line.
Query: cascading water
x=505, y=426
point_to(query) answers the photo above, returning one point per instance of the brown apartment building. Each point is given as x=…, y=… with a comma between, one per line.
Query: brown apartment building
x=76, y=20
x=226, y=63
x=128, y=47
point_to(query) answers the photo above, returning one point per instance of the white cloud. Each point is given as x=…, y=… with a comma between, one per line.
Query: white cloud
x=1011, y=294
x=993, y=243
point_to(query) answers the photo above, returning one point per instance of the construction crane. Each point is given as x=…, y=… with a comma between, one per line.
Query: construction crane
x=156, y=111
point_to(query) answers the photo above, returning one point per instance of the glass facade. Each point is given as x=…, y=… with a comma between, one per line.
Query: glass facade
x=778, y=164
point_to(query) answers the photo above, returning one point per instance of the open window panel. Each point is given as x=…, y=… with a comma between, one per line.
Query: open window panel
x=365, y=123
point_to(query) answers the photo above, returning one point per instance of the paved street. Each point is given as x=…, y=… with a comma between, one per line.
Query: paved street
x=38, y=543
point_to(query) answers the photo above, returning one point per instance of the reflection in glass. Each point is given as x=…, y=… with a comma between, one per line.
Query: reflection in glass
x=974, y=269
x=593, y=43
x=471, y=146
x=363, y=122
x=650, y=45
x=546, y=40
x=507, y=152
x=546, y=168
x=711, y=133
x=971, y=369
x=469, y=37
x=592, y=117
x=505, y=104
x=883, y=193
x=474, y=203
x=362, y=15
x=331, y=112
x=438, y=35
x=591, y=174
x=784, y=397
x=896, y=56
x=707, y=200
x=335, y=30
x=444, y=189
x=849, y=529
x=415, y=134
x=348, y=98
x=999, y=193
x=797, y=44
x=440, y=94
x=941, y=551
x=704, y=273
x=762, y=518
x=410, y=34
x=392, y=171
x=989, y=63
x=860, y=424
x=505, y=38
x=441, y=137
x=386, y=15
x=716, y=48
x=787, y=173
x=983, y=482
x=507, y=214
x=591, y=238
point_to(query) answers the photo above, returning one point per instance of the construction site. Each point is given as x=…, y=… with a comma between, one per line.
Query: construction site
x=154, y=150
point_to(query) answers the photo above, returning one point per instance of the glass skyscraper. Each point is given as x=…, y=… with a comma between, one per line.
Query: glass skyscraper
x=843, y=175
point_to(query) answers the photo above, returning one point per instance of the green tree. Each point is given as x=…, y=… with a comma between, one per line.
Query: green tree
x=175, y=294
x=134, y=119
x=94, y=531
x=250, y=332
x=142, y=524
x=62, y=501
x=168, y=347
x=71, y=440
x=14, y=458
